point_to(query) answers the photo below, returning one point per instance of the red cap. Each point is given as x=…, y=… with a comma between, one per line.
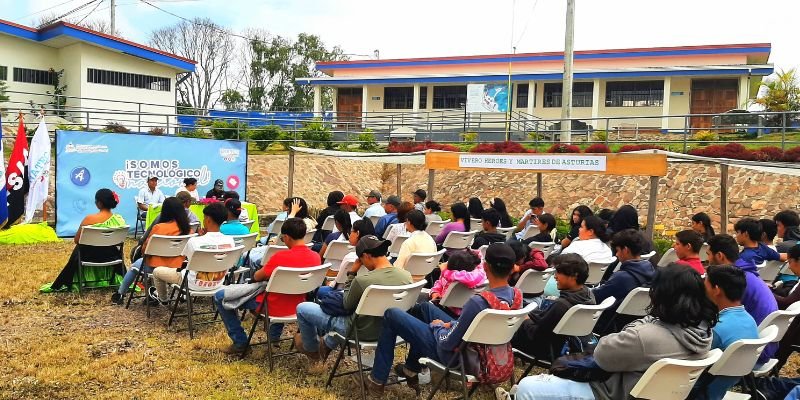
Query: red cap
x=350, y=200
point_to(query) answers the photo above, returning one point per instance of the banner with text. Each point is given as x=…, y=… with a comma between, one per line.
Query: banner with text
x=88, y=161
x=487, y=98
x=550, y=162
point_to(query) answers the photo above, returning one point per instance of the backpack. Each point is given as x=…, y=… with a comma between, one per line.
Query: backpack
x=494, y=363
x=333, y=304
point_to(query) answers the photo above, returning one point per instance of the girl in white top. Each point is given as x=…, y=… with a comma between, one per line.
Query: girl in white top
x=189, y=185
x=419, y=241
x=591, y=244
x=398, y=229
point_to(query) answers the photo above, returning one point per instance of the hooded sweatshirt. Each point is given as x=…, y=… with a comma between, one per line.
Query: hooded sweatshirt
x=631, y=274
x=487, y=238
x=759, y=254
x=790, y=239
x=758, y=300
x=629, y=353
x=535, y=335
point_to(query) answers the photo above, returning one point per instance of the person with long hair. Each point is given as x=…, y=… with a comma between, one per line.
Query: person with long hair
x=173, y=221
x=189, y=185
x=475, y=208
x=591, y=241
x=333, y=200
x=460, y=223
x=399, y=228
x=361, y=228
x=576, y=217
x=701, y=223
x=105, y=200
x=419, y=241
x=678, y=326
x=298, y=208
x=505, y=219
x=431, y=209
x=341, y=219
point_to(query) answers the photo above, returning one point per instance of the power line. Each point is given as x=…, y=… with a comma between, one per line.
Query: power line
x=90, y=13
x=74, y=10
x=41, y=11
x=525, y=28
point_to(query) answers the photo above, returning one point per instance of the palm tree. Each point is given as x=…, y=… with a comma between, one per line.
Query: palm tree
x=783, y=93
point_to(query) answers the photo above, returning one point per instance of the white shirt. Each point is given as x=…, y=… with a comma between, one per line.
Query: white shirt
x=375, y=210
x=353, y=217
x=244, y=216
x=149, y=198
x=214, y=241
x=194, y=193
x=419, y=206
x=418, y=242
x=432, y=218
x=527, y=224
x=396, y=230
x=592, y=250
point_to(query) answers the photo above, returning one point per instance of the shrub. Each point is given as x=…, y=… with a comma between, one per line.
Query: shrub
x=470, y=137
x=705, y=136
x=600, y=136
x=792, y=155
x=769, y=153
x=597, y=148
x=156, y=131
x=115, y=128
x=366, y=141
x=411, y=147
x=637, y=147
x=225, y=130
x=193, y=133
x=315, y=134
x=265, y=136
x=501, y=147
x=564, y=148
x=67, y=127
x=533, y=135
x=731, y=150
x=662, y=245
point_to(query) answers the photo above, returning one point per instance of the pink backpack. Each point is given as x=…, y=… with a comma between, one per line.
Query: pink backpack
x=495, y=363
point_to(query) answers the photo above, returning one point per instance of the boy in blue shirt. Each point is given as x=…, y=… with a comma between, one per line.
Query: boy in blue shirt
x=748, y=235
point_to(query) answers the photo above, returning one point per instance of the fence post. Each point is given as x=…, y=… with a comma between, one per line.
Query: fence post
x=140, y=116
x=685, y=133
x=783, y=131
x=167, y=123
x=723, y=197
x=87, y=120
x=608, y=132
x=237, y=128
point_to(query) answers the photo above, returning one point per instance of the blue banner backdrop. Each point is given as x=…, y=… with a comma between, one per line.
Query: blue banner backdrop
x=88, y=161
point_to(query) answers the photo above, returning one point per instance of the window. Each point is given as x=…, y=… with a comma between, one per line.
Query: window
x=40, y=76
x=581, y=94
x=635, y=94
x=398, y=98
x=522, y=95
x=423, y=97
x=128, y=80
x=3, y=73
x=449, y=97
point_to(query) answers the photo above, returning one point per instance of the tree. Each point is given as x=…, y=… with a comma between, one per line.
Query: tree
x=97, y=25
x=277, y=63
x=205, y=42
x=232, y=100
x=783, y=92
x=3, y=88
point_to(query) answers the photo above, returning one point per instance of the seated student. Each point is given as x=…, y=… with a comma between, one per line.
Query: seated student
x=748, y=235
x=768, y=231
x=333, y=204
x=431, y=209
x=464, y=267
x=536, y=208
x=285, y=205
x=535, y=335
x=349, y=203
x=527, y=258
x=500, y=205
x=687, y=247
x=214, y=215
x=490, y=219
x=186, y=199
x=243, y=216
x=419, y=197
x=341, y=219
x=701, y=223
x=418, y=241
x=793, y=259
x=788, y=228
x=606, y=214
x=757, y=298
x=399, y=228
x=633, y=272
x=312, y=322
x=361, y=228
x=173, y=222
x=725, y=286
x=293, y=232
x=679, y=326
x=392, y=202
x=375, y=208
x=591, y=241
x=437, y=335
x=577, y=216
x=460, y=223
x=475, y=208
x=233, y=226
x=546, y=223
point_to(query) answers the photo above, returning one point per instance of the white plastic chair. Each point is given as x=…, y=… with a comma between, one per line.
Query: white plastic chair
x=374, y=302
x=476, y=224
x=781, y=319
x=309, y=236
x=335, y=253
x=161, y=246
x=769, y=270
x=597, y=270
x=545, y=247
x=421, y=264
x=249, y=224
x=741, y=356
x=328, y=224
x=194, y=227
x=287, y=281
x=668, y=258
x=648, y=256
x=341, y=275
x=247, y=241
x=434, y=227
x=704, y=253
x=530, y=232
x=672, y=379
x=101, y=237
x=202, y=260
x=490, y=327
x=533, y=282
x=457, y=294
x=482, y=250
x=270, y=251
x=276, y=227
x=634, y=305
x=394, y=249
x=374, y=219
x=509, y=232
x=459, y=240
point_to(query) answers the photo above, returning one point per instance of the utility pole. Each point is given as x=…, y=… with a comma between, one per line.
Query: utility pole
x=566, y=87
x=113, y=18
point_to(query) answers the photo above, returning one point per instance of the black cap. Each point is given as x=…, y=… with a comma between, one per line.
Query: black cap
x=218, y=182
x=500, y=253
x=421, y=193
x=371, y=242
x=393, y=200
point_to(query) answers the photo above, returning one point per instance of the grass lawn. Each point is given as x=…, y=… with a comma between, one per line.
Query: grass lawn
x=63, y=346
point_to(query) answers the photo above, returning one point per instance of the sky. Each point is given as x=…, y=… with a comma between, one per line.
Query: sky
x=416, y=28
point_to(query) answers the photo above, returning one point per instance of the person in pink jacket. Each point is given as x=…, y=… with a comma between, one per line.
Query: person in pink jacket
x=463, y=266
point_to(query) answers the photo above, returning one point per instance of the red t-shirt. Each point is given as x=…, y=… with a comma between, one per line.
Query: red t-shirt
x=282, y=305
x=695, y=263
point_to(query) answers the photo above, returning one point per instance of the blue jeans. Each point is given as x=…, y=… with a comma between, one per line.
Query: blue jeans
x=312, y=323
x=549, y=387
x=233, y=325
x=417, y=333
x=127, y=280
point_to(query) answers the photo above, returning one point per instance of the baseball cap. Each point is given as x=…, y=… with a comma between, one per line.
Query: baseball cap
x=218, y=182
x=350, y=200
x=184, y=196
x=393, y=200
x=500, y=253
x=371, y=242
x=374, y=193
x=421, y=193
x=152, y=177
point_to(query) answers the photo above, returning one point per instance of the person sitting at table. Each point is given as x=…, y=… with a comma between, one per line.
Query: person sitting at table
x=244, y=216
x=105, y=200
x=173, y=222
x=149, y=196
x=217, y=192
x=233, y=226
x=189, y=185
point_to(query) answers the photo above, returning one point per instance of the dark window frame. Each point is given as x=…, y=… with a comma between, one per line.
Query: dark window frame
x=449, y=97
x=582, y=94
x=3, y=73
x=523, y=95
x=423, y=97
x=35, y=76
x=129, y=80
x=635, y=93
x=398, y=98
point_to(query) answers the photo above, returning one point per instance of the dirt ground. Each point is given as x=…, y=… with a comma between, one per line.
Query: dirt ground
x=64, y=346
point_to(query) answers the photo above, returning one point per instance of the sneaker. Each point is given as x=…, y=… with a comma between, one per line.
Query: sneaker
x=374, y=389
x=116, y=298
x=298, y=344
x=153, y=300
x=234, y=350
x=411, y=377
